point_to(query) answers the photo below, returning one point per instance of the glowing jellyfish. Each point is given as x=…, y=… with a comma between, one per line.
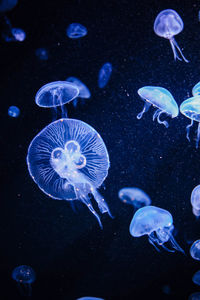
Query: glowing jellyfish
x=195, y=250
x=162, y=99
x=84, y=92
x=42, y=53
x=195, y=201
x=104, y=75
x=157, y=223
x=76, y=31
x=6, y=5
x=196, y=278
x=68, y=160
x=16, y=34
x=196, y=89
x=13, y=111
x=24, y=276
x=168, y=24
x=194, y=296
x=90, y=298
x=191, y=109
x=134, y=196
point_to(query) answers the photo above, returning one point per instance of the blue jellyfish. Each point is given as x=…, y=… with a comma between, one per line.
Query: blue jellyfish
x=134, y=196
x=16, y=34
x=84, y=92
x=191, y=109
x=6, y=5
x=90, y=298
x=13, y=111
x=194, y=296
x=104, y=75
x=68, y=160
x=162, y=99
x=56, y=94
x=24, y=276
x=76, y=31
x=196, y=89
x=196, y=278
x=195, y=201
x=157, y=223
x=195, y=250
x=42, y=53
x=168, y=24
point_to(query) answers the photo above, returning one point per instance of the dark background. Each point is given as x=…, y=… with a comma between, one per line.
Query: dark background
x=71, y=255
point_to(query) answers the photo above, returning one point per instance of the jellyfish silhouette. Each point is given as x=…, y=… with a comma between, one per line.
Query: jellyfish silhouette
x=13, y=111
x=68, y=160
x=84, y=92
x=157, y=223
x=196, y=278
x=195, y=250
x=190, y=108
x=42, y=53
x=10, y=34
x=134, y=196
x=76, y=31
x=104, y=75
x=195, y=201
x=168, y=24
x=196, y=89
x=160, y=98
x=24, y=276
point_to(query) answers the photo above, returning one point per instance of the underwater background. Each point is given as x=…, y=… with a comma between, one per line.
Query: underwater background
x=71, y=255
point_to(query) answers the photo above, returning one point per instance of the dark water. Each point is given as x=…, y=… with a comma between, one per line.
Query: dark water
x=71, y=256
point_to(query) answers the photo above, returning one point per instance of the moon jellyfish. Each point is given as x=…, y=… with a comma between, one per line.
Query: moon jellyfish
x=196, y=89
x=84, y=92
x=68, y=160
x=194, y=296
x=104, y=75
x=42, y=53
x=195, y=250
x=195, y=201
x=134, y=196
x=196, y=278
x=6, y=5
x=162, y=99
x=24, y=276
x=168, y=24
x=191, y=109
x=89, y=298
x=13, y=111
x=56, y=94
x=76, y=31
x=157, y=223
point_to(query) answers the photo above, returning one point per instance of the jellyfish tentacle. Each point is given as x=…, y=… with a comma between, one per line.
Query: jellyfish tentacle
x=145, y=109
x=87, y=202
x=165, y=123
x=188, y=130
x=64, y=111
x=175, y=245
x=103, y=207
x=156, y=114
x=175, y=46
x=152, y=241
x=174, y=50
x=198, y=136
x=167, y=249
x=179, y=49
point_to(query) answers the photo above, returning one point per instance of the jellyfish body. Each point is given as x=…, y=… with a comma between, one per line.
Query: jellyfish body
x=157, y=223
x=190, y=108
x=42, y=53
x=6, y=5
x=168, y=24
x=195, y=250
x=104, y=75
x=13, y=111
x=137, y=197
x=195, y=201
x=24, y=276
x=16, y=34
x=196, y=90
x=196, y=278
x=68, y=160
x=84, y=92
x=76, y=31
x=162, y=99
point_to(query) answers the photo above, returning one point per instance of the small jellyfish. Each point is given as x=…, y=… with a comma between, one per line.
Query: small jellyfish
x=24, y=276
x=104, y=75
x=195, y=201
x=90, y=298
x=13, y=111
x=16, y=34
x=76, y=31
x=196, y=278
x=6, y=5
x=68, y=160
x=194, y=296
x=168, y=24
x=196, y=89
x=191, y=109
x=84, y=92
x=157, y=223
x=42, y=53
x=137, y=197
x=162, y=99
x=195, y=250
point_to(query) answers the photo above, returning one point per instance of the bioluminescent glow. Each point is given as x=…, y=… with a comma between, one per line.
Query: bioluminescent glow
x=24, y=276
x=84, y=92
x=196, y=89
x=196, y=278
x=135, y=196
x=195, y=201
x=195, y=250
x=15, y=35
x=104, y=75
x=76, y=31
x=42, y=53
x=13, y=111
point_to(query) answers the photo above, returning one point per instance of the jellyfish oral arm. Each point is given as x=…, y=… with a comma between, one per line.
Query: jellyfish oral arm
x=175, y=46
x=145, y=109
x=157, y=115
x=103, y=207
x=188, y=130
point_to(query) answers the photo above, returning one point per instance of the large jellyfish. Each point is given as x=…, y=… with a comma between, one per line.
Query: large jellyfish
x=196, y=278
x=191, y=109
x=84, y=92
x=24, y=276
x=196, y=89
x=104, y=75
x=68, y=160
x=76, y=31
x=135, y=196
x=162, y=99
x=195, y=201
x=195, y=250
x=157, y=223
x=168, y=24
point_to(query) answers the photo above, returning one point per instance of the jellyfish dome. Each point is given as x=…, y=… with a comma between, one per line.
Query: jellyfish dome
x=84, y=92
x=195, y=250
x=23, y=274
x=160, y=98
x=104, y=75
x=134, y=196
x=68, y=160
x=190, y=108
x=76, y=31
x=195, y=201
x=6, y=5
x=157, y=223
x=196, y=90
x=196, y=278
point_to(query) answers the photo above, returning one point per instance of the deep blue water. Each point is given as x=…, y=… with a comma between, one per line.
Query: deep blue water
x=71, y=255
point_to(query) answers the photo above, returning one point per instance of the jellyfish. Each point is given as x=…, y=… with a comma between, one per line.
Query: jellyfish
x=195, y=201
x=90, y=298
x=157, y=223
x=42, y=53
x=191, y=109
x=168, y=24
x=68, y=160
x=134, y=196
x=104, y=75
x=196, y=89
x=162, y=99
x=56, y=94
x=11, y=34
x=194, y=296
x=196, y=278
x=84, y=92
x=76, y=31
x=195, y=250
x=13, y=111
x=24, y=276
x=6, y=5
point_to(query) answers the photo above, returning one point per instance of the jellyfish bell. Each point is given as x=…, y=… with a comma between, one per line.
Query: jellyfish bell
x=168, y=24
x=68, y=160
x=104, y=75
x=196, y=278
x=76, y=31
x=24, y=275
x=196, y=90
x=157, y=223
x=134, y=196
x=84, y=92
x=195, y=201
x=162, y=99
x=195, y=250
